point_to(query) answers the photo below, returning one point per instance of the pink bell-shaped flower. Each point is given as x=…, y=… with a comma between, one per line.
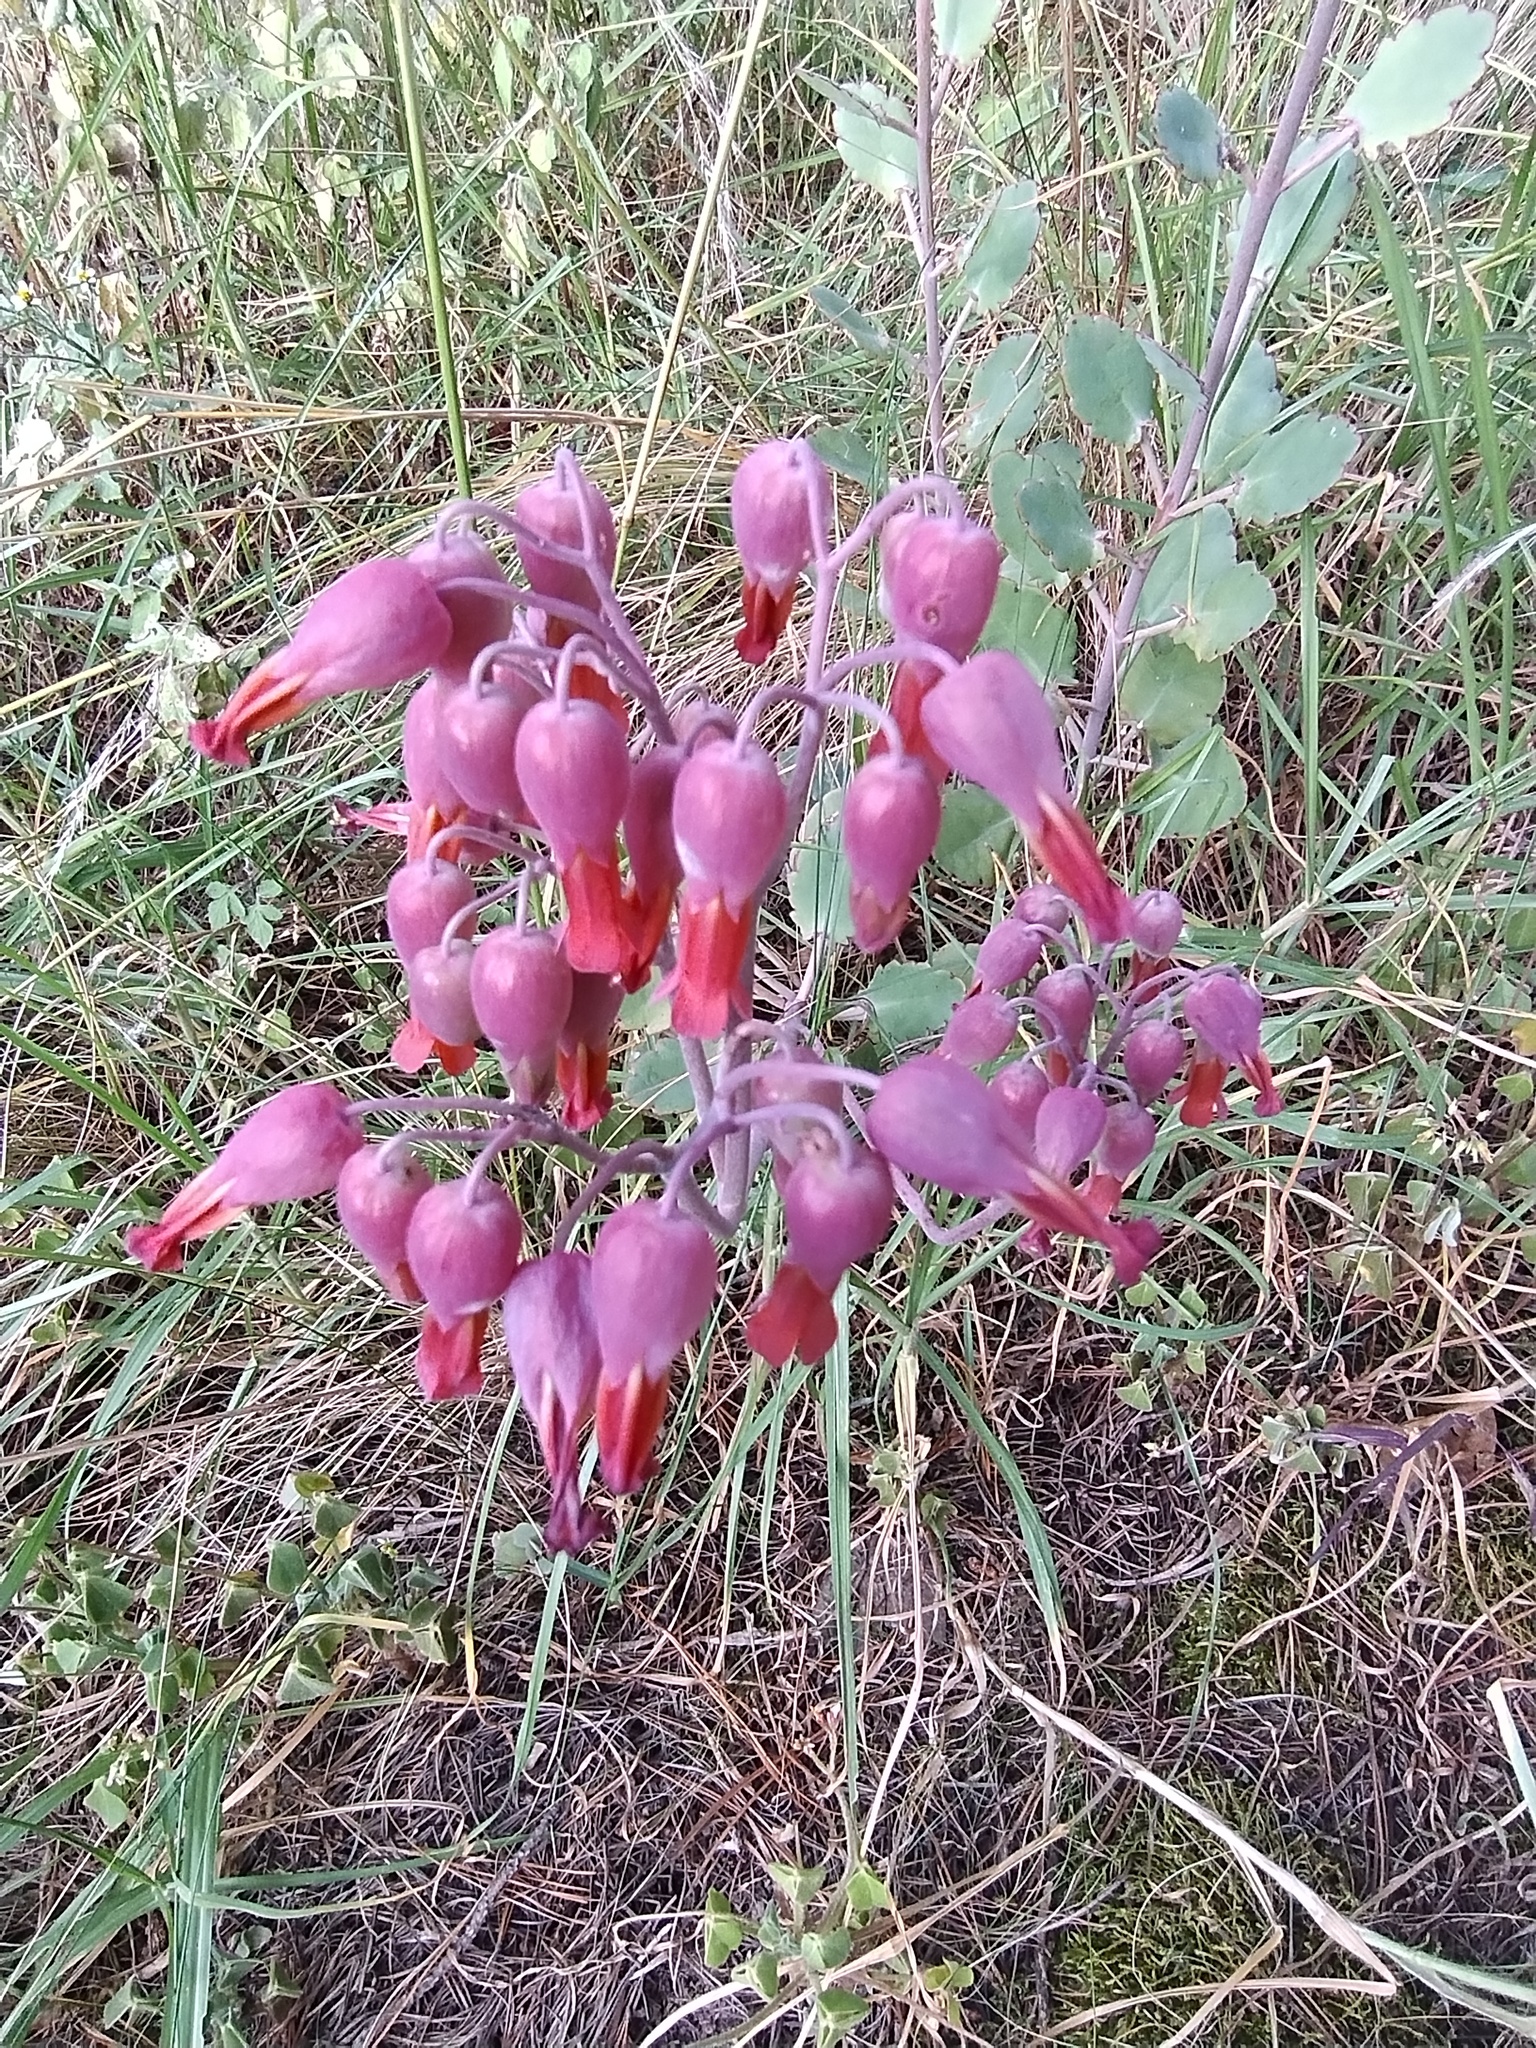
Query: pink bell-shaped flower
x=728, y=818
x=573, y=768
x=463, y=1243
x=776, y=498
x=1153, y=1053
x=1130, y=1136
x=1064, y=1003
x=442, y=1024
x=1225, y=1013
x=376, y=1195
x=477, y=741
x=521, y=987
x=937, y=1120
x=549, y=516
x=655, y=870
x=980, y=1030
x=1008, y=953
x=551, y=1333
x=1068, y=1125
x=991, y=723
x=585, y=1047
x=653, y=1279
x=836, y=1212
x=469, y=584
x=1020, y=1088
x=891, y=817
x=422, y=897
x=375, y=626
x=292, y=1147
x=938, y=578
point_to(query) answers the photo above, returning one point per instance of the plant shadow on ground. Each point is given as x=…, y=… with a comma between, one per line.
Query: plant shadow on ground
x=492, y=1809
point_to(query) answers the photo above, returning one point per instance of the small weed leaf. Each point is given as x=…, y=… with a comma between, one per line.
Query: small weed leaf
x=1306, y=221
x=1002, y=250
x=911, y=1001
x=1193, y=792
x=1007, y=391
x=825, y=1948
x=1417, y=76
x=1170, y=692
x=1188, y=134
x=287, y=1570
x=723, y=1931
x=975, y=835
x=1109, y=379
x=798, y=1882
x=837, y=2014
x=1294, y=465
x=762, y=1973
x=859, y=327
x=875, y=137
x=963, y=28
x=868, y=1894
x=851, y=456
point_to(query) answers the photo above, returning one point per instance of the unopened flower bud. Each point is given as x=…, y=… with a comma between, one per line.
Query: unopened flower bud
x=476, y=741
x=728, y=816
x=292, y=1147
x=836, y=1212
x=980, y=1030
x=938, y=578
x=376, y=1195
x=1064, y=1003
x=421, y=898
x=441, y=1002
x=653, y=1279
x=1008, y=953
x=1130, y=1135
x=1068, y=1125
x=1042, y=904
x=521, y=986
x=1153, y=1054
x=1157, y=919
x=776, y=494
x=1020, y=1088
x=891, y=818
x=463, y=1243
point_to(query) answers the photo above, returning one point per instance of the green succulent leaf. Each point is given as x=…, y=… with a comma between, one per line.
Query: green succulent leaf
x=1026, y=622
x=1193, y=791
x=1007, y=391
x=1246, y=409
x=1417, y=76
x=818, y=873
x=857, y=325
x=875, y=137
x=1109, y=379
x=963, y=28
x=1294, y=465
x=849, y=455
x=1188, y=134
x=975, y=833
x=1052, y=507
x=655, y=1078
x=911, y=1000
x=1001, y=252
x=1197, y=580
x=1170, y=692
x=1007, y=474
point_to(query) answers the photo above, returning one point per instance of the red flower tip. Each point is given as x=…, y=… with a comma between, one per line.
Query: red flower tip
x=448, y=1357
x=793, y=1317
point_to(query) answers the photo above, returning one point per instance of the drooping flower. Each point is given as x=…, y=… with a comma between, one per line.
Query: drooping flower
x=463, y=1242
x=292, y=1147
x=1156, y=921
x=1130, y=1134
x=891, y=818
x=980, y=1029
x=990, y=722
x=1153, y=1053
x=422, y=896
x=836, y=1212
x=375, y=626
x=935, y=1119
x=1064, y=1002
x=1225, y=1012
x=728, y=816
x=521, y=987
x=938, y=578
x=442, y=1024
x=573, y=769
x=775, y=496
x=376, y=1194
x=477, y=728
x=448, y=1364
x=655, y=870
x=551, y=1333
x=653, y=1279
x=585, y=1047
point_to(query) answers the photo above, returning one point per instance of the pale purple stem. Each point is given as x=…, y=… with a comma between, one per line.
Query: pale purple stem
x=927, y=252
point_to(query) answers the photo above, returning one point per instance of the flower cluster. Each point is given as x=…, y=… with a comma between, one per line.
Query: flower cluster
x=651, y=832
